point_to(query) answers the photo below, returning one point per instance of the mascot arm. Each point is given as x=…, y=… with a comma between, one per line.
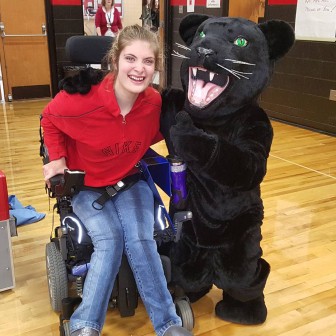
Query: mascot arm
x=81, y=82
x=192, y=144
x=240, y=162
x=172, y=103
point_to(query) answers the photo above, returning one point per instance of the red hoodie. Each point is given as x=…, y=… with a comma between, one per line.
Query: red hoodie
x=89, y=131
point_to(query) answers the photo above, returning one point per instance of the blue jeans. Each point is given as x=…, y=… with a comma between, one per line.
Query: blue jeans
x=125, y=224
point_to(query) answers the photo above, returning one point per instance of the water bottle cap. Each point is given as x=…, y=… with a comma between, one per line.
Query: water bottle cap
x=174, y=160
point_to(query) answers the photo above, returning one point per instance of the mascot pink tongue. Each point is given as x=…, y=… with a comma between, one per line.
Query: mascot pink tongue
x=201, y=93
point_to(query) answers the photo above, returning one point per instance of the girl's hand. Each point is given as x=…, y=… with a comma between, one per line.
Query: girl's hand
x=53, y=168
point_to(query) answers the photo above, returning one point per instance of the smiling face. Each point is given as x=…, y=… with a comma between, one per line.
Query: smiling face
x=135, y=69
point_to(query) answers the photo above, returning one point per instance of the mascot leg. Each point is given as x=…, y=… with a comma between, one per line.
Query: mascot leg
x=249, y=313
x=242, y=274
x=245, y=306
x=191, y=269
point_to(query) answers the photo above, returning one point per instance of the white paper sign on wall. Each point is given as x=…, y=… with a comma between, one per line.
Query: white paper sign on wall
x=315, y=20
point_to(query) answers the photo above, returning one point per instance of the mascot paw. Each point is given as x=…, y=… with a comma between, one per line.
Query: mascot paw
x=184, y=119
x=191, y=142
x=82, y=82
x=248, y=313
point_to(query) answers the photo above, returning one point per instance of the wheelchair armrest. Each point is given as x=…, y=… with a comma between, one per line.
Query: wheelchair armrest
x=67, y=184
x=179, y=218
x=54, y=182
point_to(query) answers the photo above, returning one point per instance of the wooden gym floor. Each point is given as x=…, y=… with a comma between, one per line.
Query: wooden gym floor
x=299, y=242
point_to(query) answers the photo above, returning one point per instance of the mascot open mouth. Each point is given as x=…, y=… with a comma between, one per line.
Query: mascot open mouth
x=205, y=86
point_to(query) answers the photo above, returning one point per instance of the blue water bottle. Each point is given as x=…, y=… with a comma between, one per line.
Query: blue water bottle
x=178, y=173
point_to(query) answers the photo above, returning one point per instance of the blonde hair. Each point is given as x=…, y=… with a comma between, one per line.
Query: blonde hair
x=127, y=36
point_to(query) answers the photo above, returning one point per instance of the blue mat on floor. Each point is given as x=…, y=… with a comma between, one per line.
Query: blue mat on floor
x=23, y=215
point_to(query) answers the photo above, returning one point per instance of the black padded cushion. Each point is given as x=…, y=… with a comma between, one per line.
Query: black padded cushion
x=87, y=49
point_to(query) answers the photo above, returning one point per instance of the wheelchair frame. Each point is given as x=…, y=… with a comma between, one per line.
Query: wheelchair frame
x=64, y=242
x=69, y=250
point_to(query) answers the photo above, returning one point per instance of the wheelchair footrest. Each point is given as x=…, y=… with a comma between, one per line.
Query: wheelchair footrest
x=68, y=306
x=125, y=291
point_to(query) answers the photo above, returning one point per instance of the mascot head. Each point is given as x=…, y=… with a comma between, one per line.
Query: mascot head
x=228, y=62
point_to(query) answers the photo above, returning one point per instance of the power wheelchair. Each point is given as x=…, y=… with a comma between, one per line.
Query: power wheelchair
x=69, y=250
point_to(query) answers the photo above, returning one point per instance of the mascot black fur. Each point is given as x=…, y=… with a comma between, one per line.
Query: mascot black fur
x=217, y=127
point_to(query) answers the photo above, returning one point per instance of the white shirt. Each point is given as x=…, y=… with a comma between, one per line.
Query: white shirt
x=109, y=19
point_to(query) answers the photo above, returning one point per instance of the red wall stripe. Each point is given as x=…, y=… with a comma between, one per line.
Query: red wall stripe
x=282, y=2
x=184, y=2
x=66, y=2
x=203, y=2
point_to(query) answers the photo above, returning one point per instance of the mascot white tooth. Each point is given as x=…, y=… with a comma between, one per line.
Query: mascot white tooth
x=217, y=128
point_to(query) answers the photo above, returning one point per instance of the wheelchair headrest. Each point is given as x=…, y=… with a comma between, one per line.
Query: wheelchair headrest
x=88, y=49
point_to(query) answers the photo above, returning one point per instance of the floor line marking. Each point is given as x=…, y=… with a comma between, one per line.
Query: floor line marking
x=299, y=165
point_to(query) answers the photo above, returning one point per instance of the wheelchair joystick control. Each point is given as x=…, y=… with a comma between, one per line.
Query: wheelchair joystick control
x=178, y=172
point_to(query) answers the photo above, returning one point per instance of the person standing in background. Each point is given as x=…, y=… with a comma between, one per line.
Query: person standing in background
x=146, y=15
x=155, y=16
x=107, y=19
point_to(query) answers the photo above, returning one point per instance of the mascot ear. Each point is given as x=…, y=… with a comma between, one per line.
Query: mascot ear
x=280, y=37
x=189, y=25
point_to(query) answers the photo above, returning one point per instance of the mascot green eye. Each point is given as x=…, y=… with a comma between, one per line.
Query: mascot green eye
x=202, y=34
x=240, y=42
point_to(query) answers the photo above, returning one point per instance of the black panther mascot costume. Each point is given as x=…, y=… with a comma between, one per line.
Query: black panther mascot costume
x=217, y=128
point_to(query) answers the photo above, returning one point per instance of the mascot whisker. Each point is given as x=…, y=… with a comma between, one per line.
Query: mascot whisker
x=177, y=54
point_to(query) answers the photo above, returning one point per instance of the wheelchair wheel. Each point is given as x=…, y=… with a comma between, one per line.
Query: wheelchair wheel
x=184, y=310
x=65, y=328
x=57, y=276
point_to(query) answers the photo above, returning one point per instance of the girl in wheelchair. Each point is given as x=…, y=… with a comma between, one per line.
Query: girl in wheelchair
x=105, y=133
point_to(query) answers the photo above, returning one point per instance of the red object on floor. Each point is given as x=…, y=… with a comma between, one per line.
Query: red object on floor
x=4, y=207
